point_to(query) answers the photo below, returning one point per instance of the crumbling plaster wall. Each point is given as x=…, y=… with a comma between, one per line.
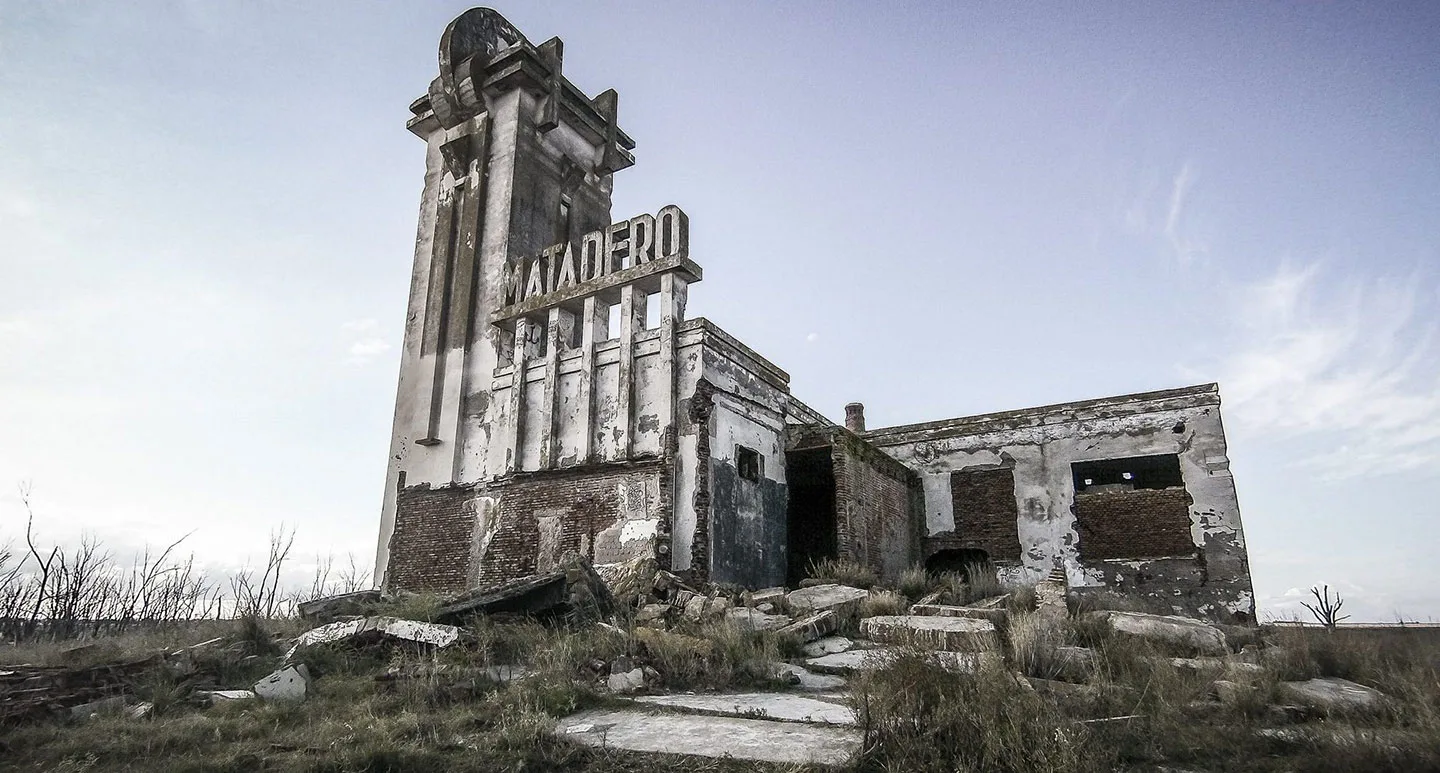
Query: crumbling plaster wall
x=1040, y=445
x=727, y=528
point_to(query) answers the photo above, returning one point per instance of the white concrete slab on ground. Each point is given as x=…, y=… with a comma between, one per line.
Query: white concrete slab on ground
x=956, y=634
x=761, y=740
x=759, y=705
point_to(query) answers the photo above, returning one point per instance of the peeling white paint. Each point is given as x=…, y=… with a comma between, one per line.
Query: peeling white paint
x=643, y=529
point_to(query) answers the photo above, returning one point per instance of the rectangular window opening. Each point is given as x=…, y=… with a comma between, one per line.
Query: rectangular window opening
x=1134, y=473
x=747, y=462
x=612, y=328
x=652, y=311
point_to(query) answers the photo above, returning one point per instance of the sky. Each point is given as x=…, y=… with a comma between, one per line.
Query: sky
x=207, y=221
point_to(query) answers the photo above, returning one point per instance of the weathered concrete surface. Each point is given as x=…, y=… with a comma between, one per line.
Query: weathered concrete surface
x=1333, y=695
x=953, y=634
x=1178, y=633
x=759, y=705
x=762, y=740
x=842, y=663
x=755, y=620
x=843, y=600
x=997, y=617
x=828, y=645
x=369, y=630
x=345, y=604
x=291, y=683
x=808, y=681
x=812, y=627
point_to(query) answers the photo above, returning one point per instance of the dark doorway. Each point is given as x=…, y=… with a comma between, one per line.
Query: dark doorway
x=963, y=561
x=810, y=479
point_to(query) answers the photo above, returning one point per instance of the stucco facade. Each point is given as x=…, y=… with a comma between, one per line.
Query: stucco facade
x=554, y=397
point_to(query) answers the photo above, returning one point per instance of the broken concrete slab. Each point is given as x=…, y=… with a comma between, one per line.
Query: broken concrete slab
x=997, y=617
x=291, y=683
x=954, y=634
x=843, y=600
x=755, y=620
x=843, y=663
x=370, y=630
x=629, y=581
x=1182, y=634
x=1332, y=695
x=759, y=705
x=702, y=608
x=575, y=590
x=827, y=645
x=359, y=603
x=111, y=705
x=760, y=740
x=812, y=627
x=775, y=596
x=806, y=680
x=220, y=696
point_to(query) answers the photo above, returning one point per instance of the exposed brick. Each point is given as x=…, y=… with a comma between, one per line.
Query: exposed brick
x=1146, y=523
x=986, y=517
x=430, y=547
x=874, y=506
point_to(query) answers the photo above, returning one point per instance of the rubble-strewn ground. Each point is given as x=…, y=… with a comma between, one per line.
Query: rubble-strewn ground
x=1046, y=690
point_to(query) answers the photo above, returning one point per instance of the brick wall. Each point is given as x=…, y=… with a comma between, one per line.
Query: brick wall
x=1146, y=523
x=546, y=514
x=538, y=518
x=985, y=513
x=876, y=521
x=430, y=547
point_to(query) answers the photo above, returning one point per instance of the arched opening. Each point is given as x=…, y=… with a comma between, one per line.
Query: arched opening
x=969, y=563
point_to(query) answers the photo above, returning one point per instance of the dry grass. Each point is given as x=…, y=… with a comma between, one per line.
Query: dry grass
x=843, y=572
x=883, y=602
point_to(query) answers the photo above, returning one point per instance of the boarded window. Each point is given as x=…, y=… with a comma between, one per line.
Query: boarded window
x=1135, y=507
x=986, y=513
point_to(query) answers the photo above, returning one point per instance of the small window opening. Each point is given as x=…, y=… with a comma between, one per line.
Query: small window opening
x=562, y=223
x=652, y=311
x=747, y=461
x=614, y=324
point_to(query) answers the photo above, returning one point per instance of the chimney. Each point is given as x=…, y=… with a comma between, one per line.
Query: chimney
x=855, y=417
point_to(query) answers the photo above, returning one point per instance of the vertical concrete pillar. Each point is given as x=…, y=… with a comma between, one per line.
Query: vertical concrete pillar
x=515, y=433
x=552, y=379
x=594, y=320
x=632, y=321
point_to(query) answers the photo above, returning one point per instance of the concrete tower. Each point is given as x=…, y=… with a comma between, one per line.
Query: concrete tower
x=517, y=159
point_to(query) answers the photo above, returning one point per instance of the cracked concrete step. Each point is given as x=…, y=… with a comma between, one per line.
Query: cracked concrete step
x=758, y=705
x=842, y=663
x=761, y=740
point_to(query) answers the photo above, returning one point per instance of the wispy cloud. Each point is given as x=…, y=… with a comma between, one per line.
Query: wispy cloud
x=1350, y=362
x=366, y=343
x=1185, y=248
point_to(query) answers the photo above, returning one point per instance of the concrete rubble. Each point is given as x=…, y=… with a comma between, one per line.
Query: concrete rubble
x=1182, y=634
x=1333, y=695
x=291, y=683
x=828, y=645
x=330, y=608
x=575, y=590
x=371, y=630
x=997, y=617
x=812, y=627
x=953, y=634
x=761, y=740
x=843, y=663
x=843, y=600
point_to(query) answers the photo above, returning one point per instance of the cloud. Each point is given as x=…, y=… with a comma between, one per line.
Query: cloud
x=1185, y=248
x=366, y=344
x=1349, y=362
x=812, y=337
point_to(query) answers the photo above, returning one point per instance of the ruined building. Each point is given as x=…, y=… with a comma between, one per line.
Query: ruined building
x=554, y=397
